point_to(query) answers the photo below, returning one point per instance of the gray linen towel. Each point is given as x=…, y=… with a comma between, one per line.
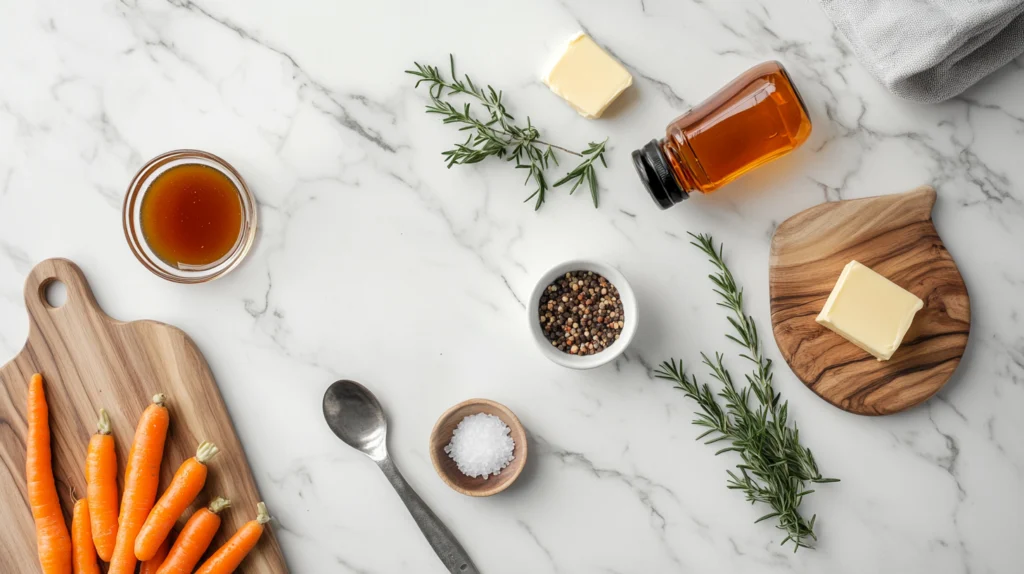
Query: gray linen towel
x=930, y=50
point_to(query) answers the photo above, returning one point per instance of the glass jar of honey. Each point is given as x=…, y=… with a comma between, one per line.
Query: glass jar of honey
x=756, y=118
x=189, y=217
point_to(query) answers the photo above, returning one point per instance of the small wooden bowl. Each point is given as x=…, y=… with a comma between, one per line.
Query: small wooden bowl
x=446, y=467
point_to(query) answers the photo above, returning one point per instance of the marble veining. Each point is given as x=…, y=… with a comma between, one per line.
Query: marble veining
x=376, y=263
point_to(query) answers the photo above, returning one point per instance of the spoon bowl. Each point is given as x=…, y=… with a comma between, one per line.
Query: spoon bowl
x=357, y=418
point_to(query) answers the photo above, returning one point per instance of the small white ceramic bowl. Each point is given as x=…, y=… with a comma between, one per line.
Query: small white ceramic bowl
x=629, y=309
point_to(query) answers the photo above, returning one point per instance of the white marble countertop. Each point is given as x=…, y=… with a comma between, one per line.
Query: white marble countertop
x=376, y=263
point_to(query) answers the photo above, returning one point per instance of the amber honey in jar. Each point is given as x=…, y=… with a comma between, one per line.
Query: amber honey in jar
x=754, y=119
x=189, y=217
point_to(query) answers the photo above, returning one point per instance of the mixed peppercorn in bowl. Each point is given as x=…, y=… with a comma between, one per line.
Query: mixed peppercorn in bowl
x=582, y=314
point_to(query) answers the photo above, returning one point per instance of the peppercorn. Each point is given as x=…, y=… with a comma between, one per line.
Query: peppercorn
x=581, y=313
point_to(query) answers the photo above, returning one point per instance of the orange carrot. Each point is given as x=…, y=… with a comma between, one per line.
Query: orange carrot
x=184, y=488
x=227, y=558
x=141, y=480
x=194, y=539
x=152, y=565
x=52, y=538
x=101, y=488
x=81, y=541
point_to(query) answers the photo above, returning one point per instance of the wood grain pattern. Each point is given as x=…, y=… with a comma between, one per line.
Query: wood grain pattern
x=895, y=236
x=88, y=361
x=449, y=471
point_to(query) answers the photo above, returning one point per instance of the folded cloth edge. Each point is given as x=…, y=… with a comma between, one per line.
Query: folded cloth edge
x=939, y=71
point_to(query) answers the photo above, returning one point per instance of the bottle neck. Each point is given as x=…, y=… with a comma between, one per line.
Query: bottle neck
x=661, y=173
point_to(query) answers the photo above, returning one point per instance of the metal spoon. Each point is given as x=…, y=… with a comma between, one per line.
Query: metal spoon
x=355, y=415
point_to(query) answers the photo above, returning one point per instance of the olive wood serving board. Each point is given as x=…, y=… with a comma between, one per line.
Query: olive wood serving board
x=895, y=236
x=88, y=361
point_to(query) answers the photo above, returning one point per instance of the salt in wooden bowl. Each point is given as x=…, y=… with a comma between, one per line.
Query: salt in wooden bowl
x=449, y=471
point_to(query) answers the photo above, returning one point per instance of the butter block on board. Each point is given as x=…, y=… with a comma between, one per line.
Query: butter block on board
x=869, y=310
x=587, y=77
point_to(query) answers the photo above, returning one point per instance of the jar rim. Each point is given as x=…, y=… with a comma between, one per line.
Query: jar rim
x=138, y=242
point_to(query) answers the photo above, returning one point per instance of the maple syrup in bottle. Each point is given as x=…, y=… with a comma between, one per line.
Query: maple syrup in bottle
x=754, y=119
x=191, y=216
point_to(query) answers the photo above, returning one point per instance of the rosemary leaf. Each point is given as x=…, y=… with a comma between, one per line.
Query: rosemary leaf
x=586, y=171
x=775, y=467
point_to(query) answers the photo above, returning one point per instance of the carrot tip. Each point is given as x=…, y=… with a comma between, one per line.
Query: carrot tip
x=103, y=424
x=159, y=399
x=219, y=504
x=261, y=513
x=206, y=451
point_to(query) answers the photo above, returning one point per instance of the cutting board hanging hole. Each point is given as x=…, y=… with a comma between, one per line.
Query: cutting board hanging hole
x=55, y=293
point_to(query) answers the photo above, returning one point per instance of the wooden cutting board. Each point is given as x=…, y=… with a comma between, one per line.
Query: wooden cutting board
x=895, y=236
x=88, y=361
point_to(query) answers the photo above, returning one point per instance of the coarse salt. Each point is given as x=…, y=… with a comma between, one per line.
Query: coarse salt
x=481, y=445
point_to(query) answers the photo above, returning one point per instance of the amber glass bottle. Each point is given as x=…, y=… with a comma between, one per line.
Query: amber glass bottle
x=756, y=118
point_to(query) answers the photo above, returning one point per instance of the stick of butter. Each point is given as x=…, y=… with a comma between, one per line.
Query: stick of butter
x=869, y=310
x=587, y=77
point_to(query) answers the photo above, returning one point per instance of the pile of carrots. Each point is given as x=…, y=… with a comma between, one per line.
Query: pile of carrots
x=139, y=531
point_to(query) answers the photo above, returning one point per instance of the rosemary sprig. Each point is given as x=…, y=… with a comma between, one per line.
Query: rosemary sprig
x=775, y=467
x=499, y=136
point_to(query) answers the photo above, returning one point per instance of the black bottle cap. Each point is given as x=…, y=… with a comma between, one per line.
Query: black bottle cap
x=652, y=167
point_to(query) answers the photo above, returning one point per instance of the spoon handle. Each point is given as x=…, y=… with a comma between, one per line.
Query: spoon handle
x=440, y=538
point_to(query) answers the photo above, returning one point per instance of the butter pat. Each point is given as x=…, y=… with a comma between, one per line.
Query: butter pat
x=587, y=77
x=869, y=310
